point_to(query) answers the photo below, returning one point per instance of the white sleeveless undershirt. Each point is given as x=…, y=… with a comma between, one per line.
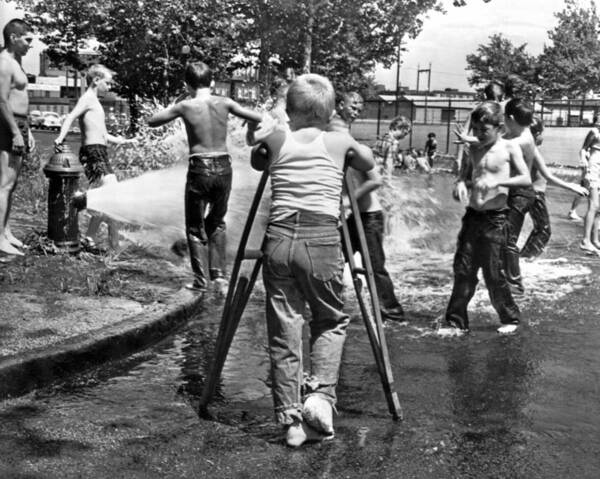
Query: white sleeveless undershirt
x=304, y=177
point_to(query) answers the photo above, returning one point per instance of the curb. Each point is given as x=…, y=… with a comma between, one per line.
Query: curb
x=24, y=372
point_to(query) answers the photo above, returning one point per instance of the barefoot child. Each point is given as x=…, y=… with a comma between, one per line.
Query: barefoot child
x=371, y=212
x=93, y=153
x=209, y=174
x=303, y=261
x=540, y=175
x=518, y=116
x=15, y=137
x=482, y=238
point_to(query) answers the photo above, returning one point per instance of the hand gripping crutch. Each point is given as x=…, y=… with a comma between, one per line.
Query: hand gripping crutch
x=373, y=322
x=239, y=289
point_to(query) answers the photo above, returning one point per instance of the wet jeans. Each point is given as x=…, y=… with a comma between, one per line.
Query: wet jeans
x=520, y=201
x=481, y=244
x=207, y=187
x=540, y=235
x=373, y=226
x=303, y=264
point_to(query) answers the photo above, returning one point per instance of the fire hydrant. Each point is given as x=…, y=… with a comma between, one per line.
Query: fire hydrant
x=63, y=171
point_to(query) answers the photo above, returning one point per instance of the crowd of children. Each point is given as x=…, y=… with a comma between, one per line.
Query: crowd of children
x=308, y=138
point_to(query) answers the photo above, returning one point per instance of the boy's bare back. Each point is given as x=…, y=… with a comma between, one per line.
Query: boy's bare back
x=205, y=122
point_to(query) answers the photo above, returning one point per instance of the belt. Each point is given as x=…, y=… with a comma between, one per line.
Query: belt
x=220, y=164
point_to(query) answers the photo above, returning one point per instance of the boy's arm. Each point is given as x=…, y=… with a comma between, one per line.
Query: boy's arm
x=362, y=159
x=120, y=140
x=540, y=164
x=522, y=176
x=246, y=113
x=6, y=112
x=165, y=116
x=81, y=107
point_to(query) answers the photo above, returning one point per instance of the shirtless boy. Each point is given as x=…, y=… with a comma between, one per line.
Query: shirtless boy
x=518, y=117
x=209, y=175
x=482, y=238
x=541, y=176
x=348, y=108
x=14, y=129
x=93, y=153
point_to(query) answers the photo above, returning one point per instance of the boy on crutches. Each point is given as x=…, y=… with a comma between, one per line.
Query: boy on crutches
x=303, y=260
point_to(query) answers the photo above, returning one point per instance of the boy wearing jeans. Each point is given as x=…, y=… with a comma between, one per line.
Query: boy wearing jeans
x=371, y=211
x=303, y=261
x=483, y=236
x=209, y=174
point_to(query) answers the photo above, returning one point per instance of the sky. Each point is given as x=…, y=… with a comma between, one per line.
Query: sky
x=445, y=41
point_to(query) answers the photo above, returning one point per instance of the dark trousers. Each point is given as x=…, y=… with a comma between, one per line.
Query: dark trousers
x=481, y=244
x=207, y=189
x=540, y=235
x=520, y=201
x=373, y=225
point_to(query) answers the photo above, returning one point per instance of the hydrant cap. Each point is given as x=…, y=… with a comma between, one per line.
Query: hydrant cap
x=64, y=161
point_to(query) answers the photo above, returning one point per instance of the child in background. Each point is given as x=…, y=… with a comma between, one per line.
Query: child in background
x=482, y=238
x=431, y=148
x=348, y=108
x=540, y=234
x=209, y=174
x=303, y=260
x=390, y=147
x=93, y=153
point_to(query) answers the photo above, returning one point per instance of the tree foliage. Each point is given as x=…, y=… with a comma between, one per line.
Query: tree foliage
x=568, y=66
x=64, y=26
x=571, y=64
x=500, y=59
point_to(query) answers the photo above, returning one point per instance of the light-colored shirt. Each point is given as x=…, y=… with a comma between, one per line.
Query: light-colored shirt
x=304, y=177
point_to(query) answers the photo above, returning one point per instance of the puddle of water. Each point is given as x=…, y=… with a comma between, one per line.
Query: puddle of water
x=521, y=406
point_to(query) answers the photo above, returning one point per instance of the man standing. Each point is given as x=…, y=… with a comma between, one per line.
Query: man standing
x=14, y=129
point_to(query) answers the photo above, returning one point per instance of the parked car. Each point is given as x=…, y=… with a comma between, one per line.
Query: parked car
x=35, y=118
x=51, y=120
x=74, y=125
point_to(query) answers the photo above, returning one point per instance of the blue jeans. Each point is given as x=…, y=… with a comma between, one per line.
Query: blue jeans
x=373, y=227
x=481, y=242
x=207, y=188
x=303, y=263
x=540, y=235
x=520, y=201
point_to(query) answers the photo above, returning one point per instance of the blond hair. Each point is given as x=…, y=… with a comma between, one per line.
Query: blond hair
x=97, y=71
x=311, y=97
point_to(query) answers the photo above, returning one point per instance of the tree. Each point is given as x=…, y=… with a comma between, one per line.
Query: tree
x=65, y=26
x=342, y=39
x=500, y=59
x=571, y=64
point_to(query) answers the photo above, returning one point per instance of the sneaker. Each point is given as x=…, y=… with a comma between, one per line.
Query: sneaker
x=299, y=432
x=318, y=414
x=508, y=328
x=220, y=286
x=573, y=216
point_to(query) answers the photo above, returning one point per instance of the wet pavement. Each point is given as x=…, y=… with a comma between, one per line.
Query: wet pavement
x=480, y=406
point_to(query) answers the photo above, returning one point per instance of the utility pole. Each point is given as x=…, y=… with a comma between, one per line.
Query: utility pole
x=398, y=61
x=428, y=71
